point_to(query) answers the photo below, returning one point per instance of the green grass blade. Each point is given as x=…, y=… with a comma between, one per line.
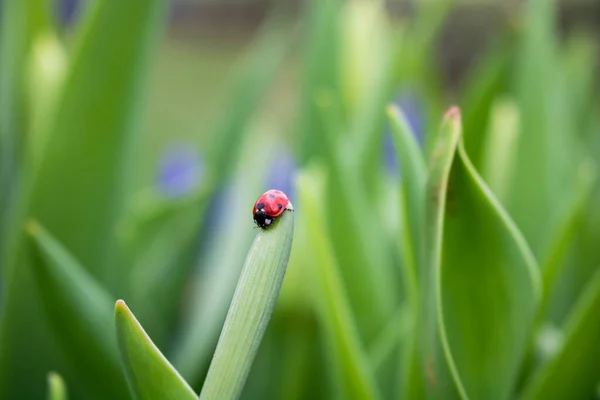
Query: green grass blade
x=57, y=390
x=320, y=62
x=573, y=372
x=103, y=92
x=438, y=378
x=480, y=270
x=80, y=312
x=158, y=240
x=485, y=83
x=413, y=178
x=393, y=334
x=22, y=22
x=499, y=147
x=47, y=67
x=358, y=243
x=544, y=153
x=350, y=360
x=553, y=262
x=250, y=310
x=222, y=262
x=149, y=373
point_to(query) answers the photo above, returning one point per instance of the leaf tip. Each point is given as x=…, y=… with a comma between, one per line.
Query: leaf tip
x=32, y=227
x=391, y=110
x=453, y=113
x=121, y=307
x=53, y=376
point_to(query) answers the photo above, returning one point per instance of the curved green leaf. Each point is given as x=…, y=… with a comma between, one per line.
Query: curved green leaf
x=331, y=302
x=56, y=387
x=573, y=372
x=250, y=310
x=80, y=312
x=482, y=285
x=149, y=373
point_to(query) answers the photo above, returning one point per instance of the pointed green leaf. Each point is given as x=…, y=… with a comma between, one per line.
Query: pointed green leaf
x=250, y=310
x=499, y=147
x=413, y=176
x=80, y=312
x=573, y=372
x=349, y=358
x=56, y=387
x=159, y=243
x=482, y=284
x=149, y=373
x=221, y=263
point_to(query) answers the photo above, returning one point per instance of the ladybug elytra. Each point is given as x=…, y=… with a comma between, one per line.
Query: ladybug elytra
x=270, y=205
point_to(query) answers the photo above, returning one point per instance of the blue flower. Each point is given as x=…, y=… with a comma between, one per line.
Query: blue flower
x=67, y=11
x=408, y=101
x=410, y=104
x=282, y=171
x=180, y=170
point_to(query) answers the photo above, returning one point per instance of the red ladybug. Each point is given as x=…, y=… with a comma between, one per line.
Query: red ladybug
x=270, y=205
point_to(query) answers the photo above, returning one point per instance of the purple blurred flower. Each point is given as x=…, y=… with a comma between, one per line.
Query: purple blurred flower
x=408, y=101
x=390, y=158
x=282, y=171
x=410, y=104
x=67, y=11
x=180, y=170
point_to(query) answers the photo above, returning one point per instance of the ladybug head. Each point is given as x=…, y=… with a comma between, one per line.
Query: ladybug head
x=262, y=219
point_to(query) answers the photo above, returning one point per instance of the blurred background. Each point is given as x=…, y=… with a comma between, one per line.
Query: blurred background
x=139, y=135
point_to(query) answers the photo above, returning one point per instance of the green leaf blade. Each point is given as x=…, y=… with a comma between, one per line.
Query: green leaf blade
x=79, y=311
x=573, y=372
x=331, y=302
x=149, y=373
x=486, y=288
x=250, y=310
x=414, y=176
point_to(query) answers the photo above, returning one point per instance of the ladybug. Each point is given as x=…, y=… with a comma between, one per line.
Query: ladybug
x=270, y=205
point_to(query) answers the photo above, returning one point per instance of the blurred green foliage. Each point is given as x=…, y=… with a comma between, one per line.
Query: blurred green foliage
x=440, y=252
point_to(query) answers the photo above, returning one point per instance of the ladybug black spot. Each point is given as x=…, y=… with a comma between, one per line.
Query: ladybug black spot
x=271, y=195
x=260, y=206
x=279, y=206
